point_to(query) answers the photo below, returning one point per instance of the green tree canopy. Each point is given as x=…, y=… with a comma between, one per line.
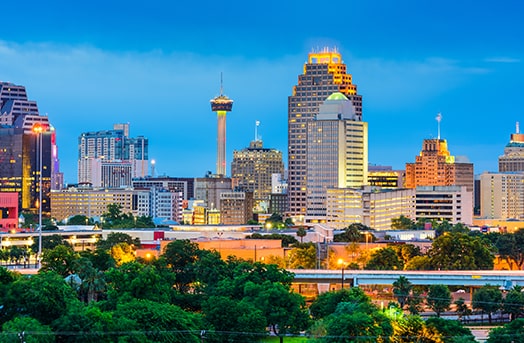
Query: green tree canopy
x=27, y=330
x=402, y=288
x=488, y=299
x=384, y=259
x=439, y=298
x=402, y=223
x=513, y=303
x=303, y=256
x=459, y=251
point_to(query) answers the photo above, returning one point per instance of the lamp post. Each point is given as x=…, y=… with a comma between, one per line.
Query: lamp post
x=341, y=263
x=38, y=129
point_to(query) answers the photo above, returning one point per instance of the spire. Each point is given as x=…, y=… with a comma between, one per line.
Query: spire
x=221, y=85
x=257, y=124
x=517, y=128
x=438, y=118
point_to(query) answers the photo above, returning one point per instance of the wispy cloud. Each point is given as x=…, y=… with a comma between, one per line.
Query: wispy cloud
x=502, y=60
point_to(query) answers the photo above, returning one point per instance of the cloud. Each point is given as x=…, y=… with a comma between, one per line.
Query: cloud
x=502, y=60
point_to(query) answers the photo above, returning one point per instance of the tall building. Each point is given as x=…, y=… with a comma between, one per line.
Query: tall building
x=435, y=166
x=513, y=158
x=502, y=195
x=96, y=149
x=236, y=208
x=337, y=153
x=221, y=105
x=20, y=149
x=253, y=168
x=209, y=188
x=324, y=74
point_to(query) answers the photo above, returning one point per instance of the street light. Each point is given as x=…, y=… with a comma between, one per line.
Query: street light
x=38, y=129
x=342, y=265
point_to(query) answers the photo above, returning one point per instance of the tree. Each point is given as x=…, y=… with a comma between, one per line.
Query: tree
x=78, y=220
x=326, y=303
x=50, y=242
x=301, y=232
x=419, y=263
x=179, y=256
x=44, y=296
x=459, y=251
x=513, y=303
x=161, y=322
x=461, y=308
x=60, y=259
x=488, y=299
x=353, y=233
x=402, y=223
x=245, y=322
x=451, y=331
x=123, y=253
x=26, y=329
x=285, y=311
x=303, y=256
x=510, y=332
x=384, y=259
x=93, y=282
x=439, y=298
x=115, y=238
x=413, y=329
x=402, y=288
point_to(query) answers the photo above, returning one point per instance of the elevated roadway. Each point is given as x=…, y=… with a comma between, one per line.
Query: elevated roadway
x=505, y=279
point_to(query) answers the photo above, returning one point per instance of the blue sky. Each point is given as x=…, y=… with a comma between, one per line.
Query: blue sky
x=156, y=65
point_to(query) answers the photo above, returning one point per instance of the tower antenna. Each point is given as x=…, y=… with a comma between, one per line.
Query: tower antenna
x=438, y=118
x=517, y=128
x=257, y=124
x=221, y=84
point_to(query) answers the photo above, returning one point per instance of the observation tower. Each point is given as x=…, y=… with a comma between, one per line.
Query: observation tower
x=221, y=105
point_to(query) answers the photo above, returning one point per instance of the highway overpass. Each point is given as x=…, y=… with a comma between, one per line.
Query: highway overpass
x=463, y=278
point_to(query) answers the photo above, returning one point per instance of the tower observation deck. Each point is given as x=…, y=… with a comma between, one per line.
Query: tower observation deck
x=221, y=105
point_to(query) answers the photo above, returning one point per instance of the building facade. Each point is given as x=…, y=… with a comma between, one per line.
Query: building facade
x=236, y=208
x=513, y=158
x=210, y=187
x=253, y=168
x=337, y=153
x=111, y=146
x=20, y=149
x=324, y=73
x=451, y=203
x=385, y=177
x=502, y=195
x=372, y=206
x=185, y=185
x=435, y=166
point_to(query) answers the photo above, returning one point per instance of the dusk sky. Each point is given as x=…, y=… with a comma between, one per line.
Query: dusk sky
x=156, y=65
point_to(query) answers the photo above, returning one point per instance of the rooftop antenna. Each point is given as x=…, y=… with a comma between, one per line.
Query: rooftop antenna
x=257, y=124
x=438, y=118
x=221, y=84
x=517, y=127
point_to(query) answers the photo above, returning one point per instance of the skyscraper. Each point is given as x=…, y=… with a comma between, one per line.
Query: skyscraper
x=221, y=105
x=19, y=153
x=101, y=149
x=324, y=74
x=513, y=158
x=253, y=168
x=337, y=153
x=435, y=166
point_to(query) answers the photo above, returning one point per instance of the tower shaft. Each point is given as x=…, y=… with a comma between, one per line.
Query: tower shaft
x=221, y=142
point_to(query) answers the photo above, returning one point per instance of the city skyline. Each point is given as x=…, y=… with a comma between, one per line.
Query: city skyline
x=157, y=66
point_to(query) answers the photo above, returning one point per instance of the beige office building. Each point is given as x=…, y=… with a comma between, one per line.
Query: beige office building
x=93, y=202
x=337, y=153
x=236, y=208
x=450, y=203
x=371, y=206
x=513, y=158
x=253, y=168
x=502, y=195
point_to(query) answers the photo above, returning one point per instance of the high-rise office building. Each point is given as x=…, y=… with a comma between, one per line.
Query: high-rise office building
x=209, y=188
x=435, y=166
x=513, y=158
x=253, y=168
x=96, y=149
x=185, y=185
x=450, y=203
x=20, y=149
x=324, y=74
x=337, y=153
x=221, y=105
x=236, y=208
x=502, y=195
x=385, y=177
